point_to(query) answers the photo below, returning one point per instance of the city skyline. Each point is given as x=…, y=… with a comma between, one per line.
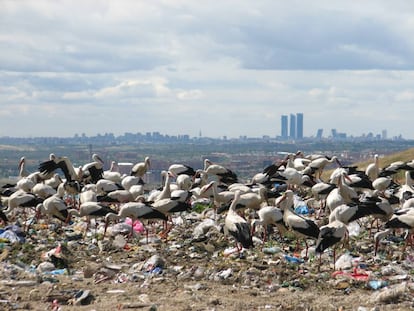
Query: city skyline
x=185, y=67
x=156, y=135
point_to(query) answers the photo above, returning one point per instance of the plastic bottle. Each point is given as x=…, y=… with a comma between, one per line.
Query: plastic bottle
x=271, y=250
x=377, y=284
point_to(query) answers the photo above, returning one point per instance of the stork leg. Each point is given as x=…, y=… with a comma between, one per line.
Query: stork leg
x=376, y=248
x=372, y=224
x=164, y=233
x=88, y=224
x=346, y=240
x=106, y=227
x=265, y=235
x=146, y=234
x=320, y=262
x=408, y=240
x=307, y=248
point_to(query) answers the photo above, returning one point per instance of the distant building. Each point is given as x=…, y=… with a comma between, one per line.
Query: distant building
x=299, y=125
x=384, y=134
x=292, y=133
x=284, y=128
x=319, y=134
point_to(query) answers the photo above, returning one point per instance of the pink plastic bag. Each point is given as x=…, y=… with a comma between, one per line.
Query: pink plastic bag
x=137, y=225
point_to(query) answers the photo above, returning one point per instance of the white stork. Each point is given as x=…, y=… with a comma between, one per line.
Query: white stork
x=378, y=236
x=54, y=206
x=169, y=206
x=104, y=186
x=93, y=171
x=21, y=199
x=300, y=226
x=222, y=197
x=318, y=165
x=47, y=168
x=373, y=169
x=329, y=235
x=88, y=194
x=292, y=177
x=129, y=181
x=237, y=226
x=406, y=191
x=23, y=172
x=113, y=173
x=54, y=181
x=269, y=216
x=184, y=182
x=165, y=192
x=43, y=191
x=403, y=221
x=178, y=169
x=135, y=211
x=224, y=175
x=141, y=168
x=91, y=210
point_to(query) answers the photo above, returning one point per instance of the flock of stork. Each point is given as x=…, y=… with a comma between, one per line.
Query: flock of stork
x=268, y=199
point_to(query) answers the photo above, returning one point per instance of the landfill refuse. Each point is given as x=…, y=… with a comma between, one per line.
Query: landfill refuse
x=389, y=294
x=377, y=284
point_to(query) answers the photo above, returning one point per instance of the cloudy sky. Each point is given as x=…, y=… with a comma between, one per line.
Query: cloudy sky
x=229, y=67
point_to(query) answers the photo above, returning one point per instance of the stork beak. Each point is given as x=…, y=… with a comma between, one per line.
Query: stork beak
x=21, y=163
x=348, y=178
x=339, y=163
x=207, y=187
x=100, y=159
x=283, y=198
x=106, y=228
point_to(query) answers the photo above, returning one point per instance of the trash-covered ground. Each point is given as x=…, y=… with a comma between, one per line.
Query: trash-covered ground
x=54, y=267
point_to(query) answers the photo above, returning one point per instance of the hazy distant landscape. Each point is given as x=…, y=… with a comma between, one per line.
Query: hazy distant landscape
x=245, y=156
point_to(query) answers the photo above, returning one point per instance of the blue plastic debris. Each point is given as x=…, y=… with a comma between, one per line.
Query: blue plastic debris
x=303, y=210
x=56, y=272
x=156, y=270
x=377, y=284
x=292, y=259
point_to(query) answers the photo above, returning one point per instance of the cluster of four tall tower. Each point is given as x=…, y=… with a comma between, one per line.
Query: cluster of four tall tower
x=295, y=127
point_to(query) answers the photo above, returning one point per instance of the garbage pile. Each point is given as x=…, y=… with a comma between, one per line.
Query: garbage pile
x=49, y=256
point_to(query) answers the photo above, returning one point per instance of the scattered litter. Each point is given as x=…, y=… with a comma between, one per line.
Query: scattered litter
x=155, y=261
x=292, y=259
x=356, y=274
x=82, y=297
x=225, y=274
x=377, y=284
x=271, y=250
x=389, y=294
x=344, y=262
x=115, y=291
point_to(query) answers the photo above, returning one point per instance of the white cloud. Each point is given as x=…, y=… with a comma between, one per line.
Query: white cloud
x=153, y=59
x=189, y=95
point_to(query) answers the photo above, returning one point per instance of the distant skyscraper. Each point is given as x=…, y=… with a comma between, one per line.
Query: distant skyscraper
x=384, y=134
x=284, y=128
x=292, y=134
x=319, y=134
x=299, y=125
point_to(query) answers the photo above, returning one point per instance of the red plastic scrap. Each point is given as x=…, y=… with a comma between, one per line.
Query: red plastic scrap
x=358, y=275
